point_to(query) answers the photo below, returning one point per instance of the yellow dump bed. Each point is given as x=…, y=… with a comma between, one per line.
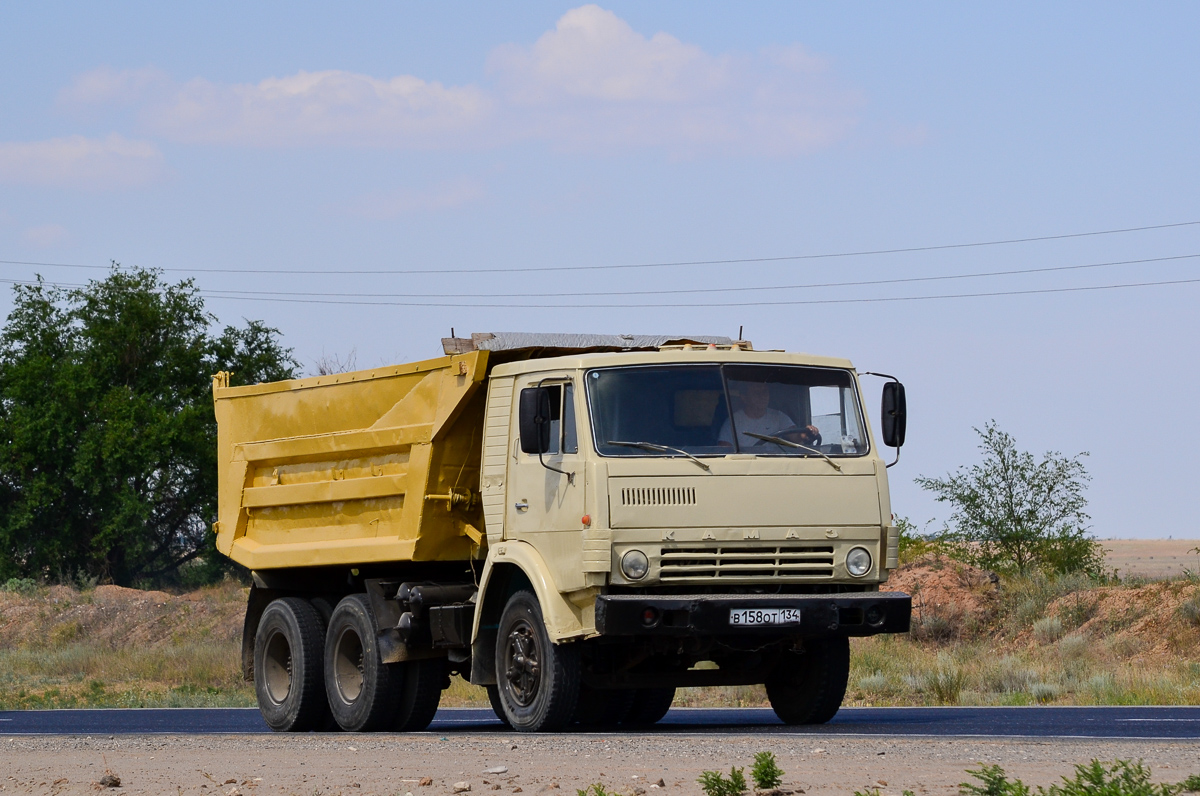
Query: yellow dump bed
x=354, y=468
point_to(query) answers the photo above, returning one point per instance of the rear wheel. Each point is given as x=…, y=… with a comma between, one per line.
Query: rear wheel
x=363, y=691
x=808, y=687
x=537, y=682
x=649, y=706
x=288, y=666
x=603, y=707
x=419, y=693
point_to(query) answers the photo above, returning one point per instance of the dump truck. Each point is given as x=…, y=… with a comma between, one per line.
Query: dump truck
x=581, y=524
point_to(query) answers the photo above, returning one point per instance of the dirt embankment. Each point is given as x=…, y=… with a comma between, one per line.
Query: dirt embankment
x=116, y=617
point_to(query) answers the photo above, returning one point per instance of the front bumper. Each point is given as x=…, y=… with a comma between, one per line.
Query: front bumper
x=865, y=614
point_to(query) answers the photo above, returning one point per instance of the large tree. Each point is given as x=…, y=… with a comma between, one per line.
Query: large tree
x=1014, y=513
x=107, y=433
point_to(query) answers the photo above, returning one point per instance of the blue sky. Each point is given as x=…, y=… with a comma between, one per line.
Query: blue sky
x=441, y=137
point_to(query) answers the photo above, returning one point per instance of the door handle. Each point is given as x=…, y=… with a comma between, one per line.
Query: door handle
x=522, y=506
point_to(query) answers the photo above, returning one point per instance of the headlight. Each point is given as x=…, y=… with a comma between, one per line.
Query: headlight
x=858, y=562
x=635, y=565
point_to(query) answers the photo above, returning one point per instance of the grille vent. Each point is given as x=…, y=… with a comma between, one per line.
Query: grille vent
x=746, y=561
x=658, y=496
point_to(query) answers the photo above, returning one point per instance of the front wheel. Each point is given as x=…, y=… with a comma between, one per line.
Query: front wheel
x=537, y=682
x=808, y=687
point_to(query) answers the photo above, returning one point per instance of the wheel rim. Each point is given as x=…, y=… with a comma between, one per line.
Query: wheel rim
x=522, y=663
x=277, y=667
x=348, y=666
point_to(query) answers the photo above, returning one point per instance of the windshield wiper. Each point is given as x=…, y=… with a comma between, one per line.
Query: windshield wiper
x=790, y=444
x=651, y=446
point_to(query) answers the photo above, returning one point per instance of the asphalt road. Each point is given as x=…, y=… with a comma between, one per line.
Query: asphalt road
x=1049, y=722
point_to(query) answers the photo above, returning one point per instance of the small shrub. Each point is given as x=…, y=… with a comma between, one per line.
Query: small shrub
x=877, y=682
x=765, y=773
x=1078, y=609
x=1074, y=646
x=1101, y=686
x=868, y=792
x=993, y=782
x=597, y=789
x=932, y=627
x=946, y=681
x=1120, y=778
x=1191, y=784
x=1044, y=692
x=713, y=784
x=1189, y=610
x=1009, y=676
x=23, y=586
x=1048, y=629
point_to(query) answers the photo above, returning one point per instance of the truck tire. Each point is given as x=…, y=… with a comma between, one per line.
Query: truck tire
x=288, y=666
x=602, y=707
x=649, y=706
x=324, y=610
x=420, y=693
x=493, y=693
x=363, y=691
x=537, y=681
x=808, y=688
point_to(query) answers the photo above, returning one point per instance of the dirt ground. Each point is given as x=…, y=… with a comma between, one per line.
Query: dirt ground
x=550, y=765
x=1152, y=558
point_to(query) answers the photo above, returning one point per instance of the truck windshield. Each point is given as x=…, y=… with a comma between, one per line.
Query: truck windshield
x=777, y=410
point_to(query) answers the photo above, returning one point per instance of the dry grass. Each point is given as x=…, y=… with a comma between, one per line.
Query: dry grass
x=975, y=642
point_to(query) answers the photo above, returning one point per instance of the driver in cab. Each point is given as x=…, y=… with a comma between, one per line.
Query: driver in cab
x=757, y=417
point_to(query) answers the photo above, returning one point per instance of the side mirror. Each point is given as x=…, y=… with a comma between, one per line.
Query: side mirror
x=894, y=414
x=534, y=420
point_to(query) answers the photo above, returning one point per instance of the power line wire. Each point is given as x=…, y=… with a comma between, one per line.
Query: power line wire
x=590, y=305
x=728, y=289
x=543, y=269
x=872, y=300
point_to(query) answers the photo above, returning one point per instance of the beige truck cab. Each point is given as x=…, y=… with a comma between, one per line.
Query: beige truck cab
x=581, y=524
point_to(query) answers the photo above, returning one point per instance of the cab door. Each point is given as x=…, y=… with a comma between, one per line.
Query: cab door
x=546, y=493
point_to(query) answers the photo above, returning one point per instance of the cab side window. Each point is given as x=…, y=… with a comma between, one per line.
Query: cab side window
x=563, y=434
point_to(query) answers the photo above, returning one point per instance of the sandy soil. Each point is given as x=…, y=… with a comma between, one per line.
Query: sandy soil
x=1152, y=558
x=548, y=765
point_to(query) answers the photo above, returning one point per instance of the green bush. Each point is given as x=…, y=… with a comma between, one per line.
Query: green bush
x=1119, y=778
x=1191, y=784
x=1015, y=514
x=765, y=773
x=993, y=782
x=597, y=789
x=23, y=586
x=713, y=784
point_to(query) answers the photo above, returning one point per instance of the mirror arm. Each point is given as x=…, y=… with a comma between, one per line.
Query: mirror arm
x=889, y=378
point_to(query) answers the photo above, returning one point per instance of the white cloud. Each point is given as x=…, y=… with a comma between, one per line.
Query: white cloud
x=594, y=54
x=46, y=235
x=595, y=83
x=331, y=107
x=403, y=201
x=108, y=86
x=592, y=83
x=76, y=161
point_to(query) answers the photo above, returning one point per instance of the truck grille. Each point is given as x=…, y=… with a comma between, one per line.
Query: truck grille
x=747, y=561
x=658, y=496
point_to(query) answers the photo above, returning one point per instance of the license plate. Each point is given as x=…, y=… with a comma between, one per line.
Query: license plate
x=755, y=617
